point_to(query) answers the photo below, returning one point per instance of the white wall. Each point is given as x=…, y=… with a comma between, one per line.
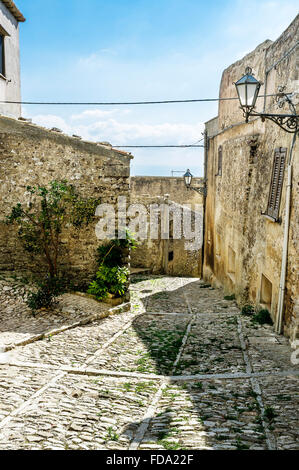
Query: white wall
x=10, y=87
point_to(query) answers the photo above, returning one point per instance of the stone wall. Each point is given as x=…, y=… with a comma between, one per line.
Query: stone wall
x=175, y=187
x=243, y=248
x=31, y=155
x=168, y=256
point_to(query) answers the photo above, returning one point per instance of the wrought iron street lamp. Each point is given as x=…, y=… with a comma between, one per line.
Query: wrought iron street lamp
x=188, y=180
x=248, y=89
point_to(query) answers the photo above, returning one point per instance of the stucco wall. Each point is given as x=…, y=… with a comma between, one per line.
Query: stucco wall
x=30, y=155
x=242, y=247
x=10, y=87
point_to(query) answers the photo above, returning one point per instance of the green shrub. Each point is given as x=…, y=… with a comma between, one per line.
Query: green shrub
x=109, y=280
x=263, y=317
x=112, y=276
x=47, y=291
x=230, y=297
x=248, y=310
x=111, y=254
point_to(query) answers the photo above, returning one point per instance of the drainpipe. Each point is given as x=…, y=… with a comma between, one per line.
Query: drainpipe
x=204, y=200
x=278, y=326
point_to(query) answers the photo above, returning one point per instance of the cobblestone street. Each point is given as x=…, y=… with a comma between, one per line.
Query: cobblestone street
x=184, y=369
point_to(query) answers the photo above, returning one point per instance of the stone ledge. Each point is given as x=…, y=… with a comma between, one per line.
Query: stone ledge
x=98, y=316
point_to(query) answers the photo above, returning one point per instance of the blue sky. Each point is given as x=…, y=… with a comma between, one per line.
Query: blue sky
x=138, y=50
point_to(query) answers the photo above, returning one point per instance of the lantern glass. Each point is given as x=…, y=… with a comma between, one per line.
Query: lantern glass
x=188, y=178
x=248, y=89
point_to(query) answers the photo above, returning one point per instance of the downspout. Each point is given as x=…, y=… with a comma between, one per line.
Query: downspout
x=278, y=326
x=204, y=201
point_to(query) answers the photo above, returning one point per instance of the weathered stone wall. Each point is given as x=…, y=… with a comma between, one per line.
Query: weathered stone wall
x=242, y=247
x=154, y=186
x=10, y=86
x=31, y=155
x=166, y=256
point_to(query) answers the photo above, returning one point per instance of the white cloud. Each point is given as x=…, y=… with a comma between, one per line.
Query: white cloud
x=51, y=120
x=122, y=132
x=97, y=113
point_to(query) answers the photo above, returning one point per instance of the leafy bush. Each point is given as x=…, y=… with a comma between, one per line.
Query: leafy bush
x=248, y=310
x=112, y=253
x=230, y=297
x=263, y=317
x=48, y=289
x=109, y=280
x=112, y=276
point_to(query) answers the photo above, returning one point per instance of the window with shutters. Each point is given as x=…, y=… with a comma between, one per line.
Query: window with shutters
x=276, y=183
x=219, y=173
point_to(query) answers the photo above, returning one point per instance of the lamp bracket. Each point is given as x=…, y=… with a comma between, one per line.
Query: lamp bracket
x=287, y=122
x=203, y=191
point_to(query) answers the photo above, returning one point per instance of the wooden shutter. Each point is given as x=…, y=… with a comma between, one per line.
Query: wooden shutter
x=276, y=182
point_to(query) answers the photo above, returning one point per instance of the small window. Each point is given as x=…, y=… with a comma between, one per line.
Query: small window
x=276, y=183
x=170, y=256
x=219, y=161
x=2, y=64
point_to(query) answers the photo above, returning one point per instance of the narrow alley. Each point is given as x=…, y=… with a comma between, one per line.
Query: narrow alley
x=184, y=369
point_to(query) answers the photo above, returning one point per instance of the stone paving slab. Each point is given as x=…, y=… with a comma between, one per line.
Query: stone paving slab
x=149, y=346
x=18, y=324
x=199, y=295
x=215, y=414
x=81, y=414
x=18, y=384
x=161, y=294
x=213, y=346
x=268, y=351
x=72, y=347
x=61, y=400
x=281, y=400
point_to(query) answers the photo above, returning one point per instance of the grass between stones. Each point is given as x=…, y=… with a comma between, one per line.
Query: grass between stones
x=162, y=346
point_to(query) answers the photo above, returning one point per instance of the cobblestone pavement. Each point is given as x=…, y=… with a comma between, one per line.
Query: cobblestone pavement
x=18, y=326
x=184, y=369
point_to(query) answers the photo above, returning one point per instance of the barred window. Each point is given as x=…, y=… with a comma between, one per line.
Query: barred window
x=276, y=183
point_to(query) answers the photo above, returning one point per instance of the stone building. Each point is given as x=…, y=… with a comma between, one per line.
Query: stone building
x=32, y=155
x=10, y=85
x=251, y=243
x=170, y=254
